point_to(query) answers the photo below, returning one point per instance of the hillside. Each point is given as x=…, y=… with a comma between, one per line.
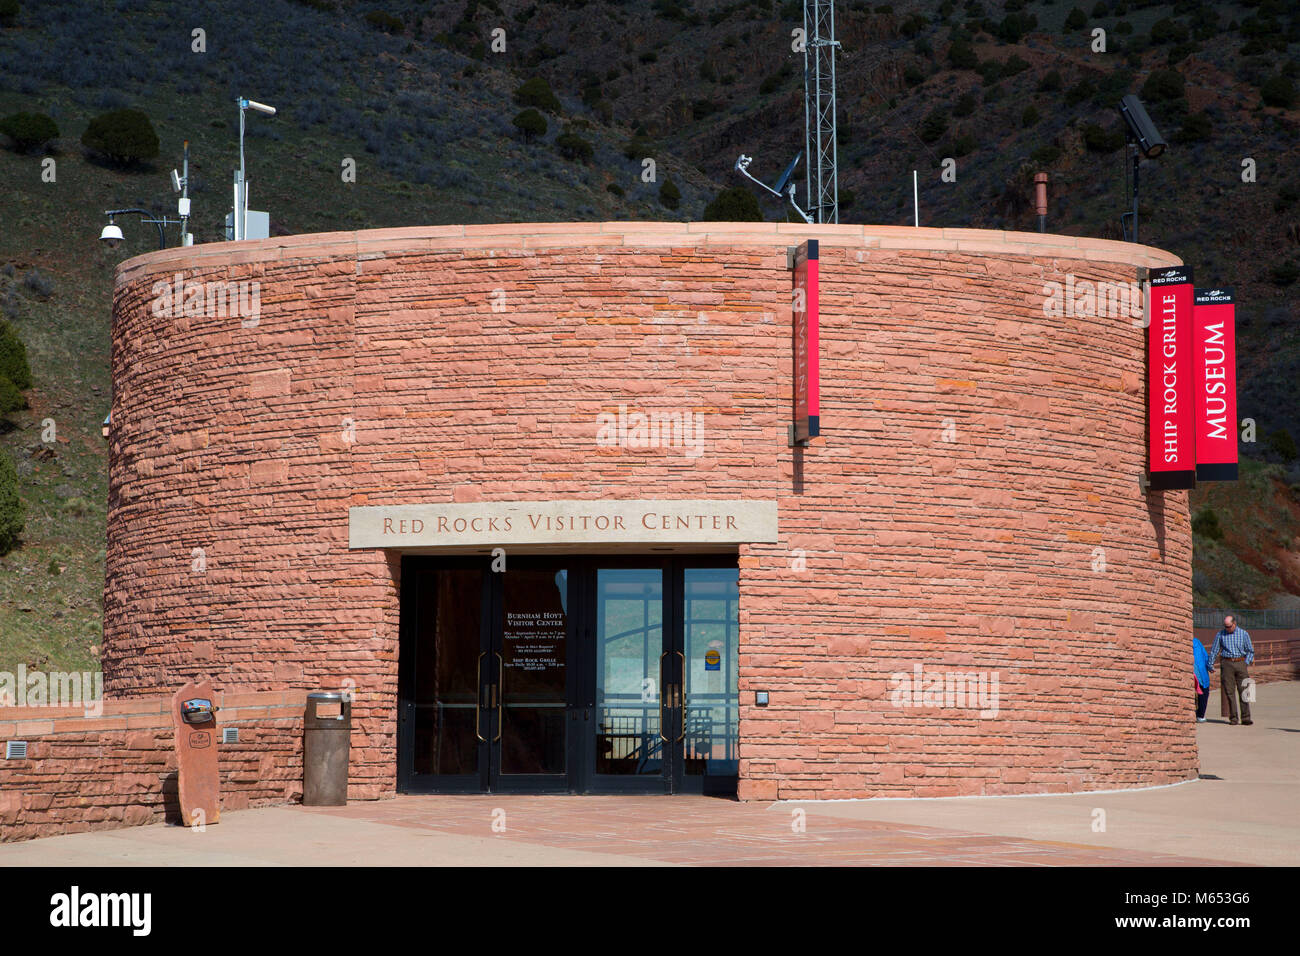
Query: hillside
x=415, y=95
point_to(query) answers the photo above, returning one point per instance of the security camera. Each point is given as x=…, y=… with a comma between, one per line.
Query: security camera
x=176, y=181
x=111, y=235
x=1141, y=130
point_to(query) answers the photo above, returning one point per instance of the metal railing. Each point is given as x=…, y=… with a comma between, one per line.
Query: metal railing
x=1250, y=620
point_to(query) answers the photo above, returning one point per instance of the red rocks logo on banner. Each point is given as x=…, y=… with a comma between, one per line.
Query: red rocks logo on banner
x=1171, y=445
x=1214, y=358
x=805, y=307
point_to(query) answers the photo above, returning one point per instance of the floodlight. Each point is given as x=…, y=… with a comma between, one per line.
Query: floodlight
x=176, y=181
x=1142, y=131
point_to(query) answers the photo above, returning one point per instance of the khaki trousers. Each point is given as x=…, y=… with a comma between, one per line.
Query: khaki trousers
x=1232, y=678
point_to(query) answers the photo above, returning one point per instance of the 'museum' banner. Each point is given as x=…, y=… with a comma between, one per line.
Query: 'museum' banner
x=807, y=374
x=1215, y=382
x=1171, y=447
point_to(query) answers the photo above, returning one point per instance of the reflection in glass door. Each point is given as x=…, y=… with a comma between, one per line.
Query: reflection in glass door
x=711, y=630
x=627, y=737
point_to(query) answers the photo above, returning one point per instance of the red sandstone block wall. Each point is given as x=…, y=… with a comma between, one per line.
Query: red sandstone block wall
x=119, y=769
x=471, y=363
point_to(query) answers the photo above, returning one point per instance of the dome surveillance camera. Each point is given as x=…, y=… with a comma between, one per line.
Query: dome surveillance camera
x=112, y=235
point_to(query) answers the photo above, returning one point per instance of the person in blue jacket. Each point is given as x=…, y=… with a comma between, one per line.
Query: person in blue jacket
x=1201, y=665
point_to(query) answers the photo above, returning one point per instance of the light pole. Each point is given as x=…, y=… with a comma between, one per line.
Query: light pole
x=241, y=183
x=112, y=233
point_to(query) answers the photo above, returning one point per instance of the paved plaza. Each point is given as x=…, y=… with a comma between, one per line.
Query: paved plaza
x=1241, y=811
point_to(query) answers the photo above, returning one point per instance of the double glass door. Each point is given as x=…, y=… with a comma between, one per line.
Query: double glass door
x=569, y=674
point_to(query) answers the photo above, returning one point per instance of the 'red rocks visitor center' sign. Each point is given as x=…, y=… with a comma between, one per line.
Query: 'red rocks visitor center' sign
x=488, y=524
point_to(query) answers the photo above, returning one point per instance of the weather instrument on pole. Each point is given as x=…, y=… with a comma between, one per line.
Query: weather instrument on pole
x=784, y=188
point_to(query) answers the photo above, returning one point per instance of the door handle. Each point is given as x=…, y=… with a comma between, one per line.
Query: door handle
x=665, y=690
x=681, y=698
x=478, y=710
x=501, y=675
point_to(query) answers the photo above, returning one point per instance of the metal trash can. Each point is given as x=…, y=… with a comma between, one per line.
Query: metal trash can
x=327, y=734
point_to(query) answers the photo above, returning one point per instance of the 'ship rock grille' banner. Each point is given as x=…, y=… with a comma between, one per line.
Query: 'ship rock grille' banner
x=1171, y=444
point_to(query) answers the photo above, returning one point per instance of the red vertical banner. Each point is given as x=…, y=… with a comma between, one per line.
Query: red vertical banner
x=1214, y=359
x=805, y=310
x=1171, y=443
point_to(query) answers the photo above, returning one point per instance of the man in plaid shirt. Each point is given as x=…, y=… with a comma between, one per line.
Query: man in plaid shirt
x=1234, y=644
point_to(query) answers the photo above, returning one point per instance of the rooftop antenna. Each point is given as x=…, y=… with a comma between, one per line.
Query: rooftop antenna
x=181, y=184
x=240, y=217
x=819, y=109
x=784, y=188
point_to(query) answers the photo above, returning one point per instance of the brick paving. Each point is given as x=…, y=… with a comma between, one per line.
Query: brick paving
x=708, y=831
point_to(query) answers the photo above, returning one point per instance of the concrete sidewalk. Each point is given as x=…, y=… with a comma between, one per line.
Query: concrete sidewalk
x=1243, y=810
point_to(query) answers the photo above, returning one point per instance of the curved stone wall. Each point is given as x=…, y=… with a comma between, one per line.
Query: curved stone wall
x=972, y=507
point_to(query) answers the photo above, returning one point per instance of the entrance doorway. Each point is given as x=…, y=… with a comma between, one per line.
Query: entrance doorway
x=569, y=674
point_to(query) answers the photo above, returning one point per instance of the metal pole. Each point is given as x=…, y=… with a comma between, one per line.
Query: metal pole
x=1137, y=159
x=916, y=202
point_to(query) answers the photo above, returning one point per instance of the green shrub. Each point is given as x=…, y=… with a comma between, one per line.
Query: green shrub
x=11, y=506
x=1163, y=85
x=28, y=130
x=1075, y=19
x=962, y=55
x=1196, y=128
x=1099, y=140
x=934, y=126
x=537, y=93
x=1278, y=91
x=574, y=147
x=1284, y=273
x=1283, y=445
x=1206, y=525
x=11, y=399
x=124, y=136
x=531, y=123
x=1046, y=155
x=385, y=21
x=669, y=195
x=736, y=204
x=1051, y=82
x=8, y=12
x=13, y=357
x=616, y=190
x=1029, y=117
x=639, y=148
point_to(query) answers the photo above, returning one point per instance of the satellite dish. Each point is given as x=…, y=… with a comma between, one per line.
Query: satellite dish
x=789, y=171
x=742, y=167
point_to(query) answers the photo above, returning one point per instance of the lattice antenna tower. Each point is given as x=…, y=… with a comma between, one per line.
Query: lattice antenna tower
x=819, y=110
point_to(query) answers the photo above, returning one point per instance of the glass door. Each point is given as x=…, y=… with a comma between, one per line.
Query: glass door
x=530, y=690
x=569, y=674
x=628, y=740
x=443, y=731
x=710, y=633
